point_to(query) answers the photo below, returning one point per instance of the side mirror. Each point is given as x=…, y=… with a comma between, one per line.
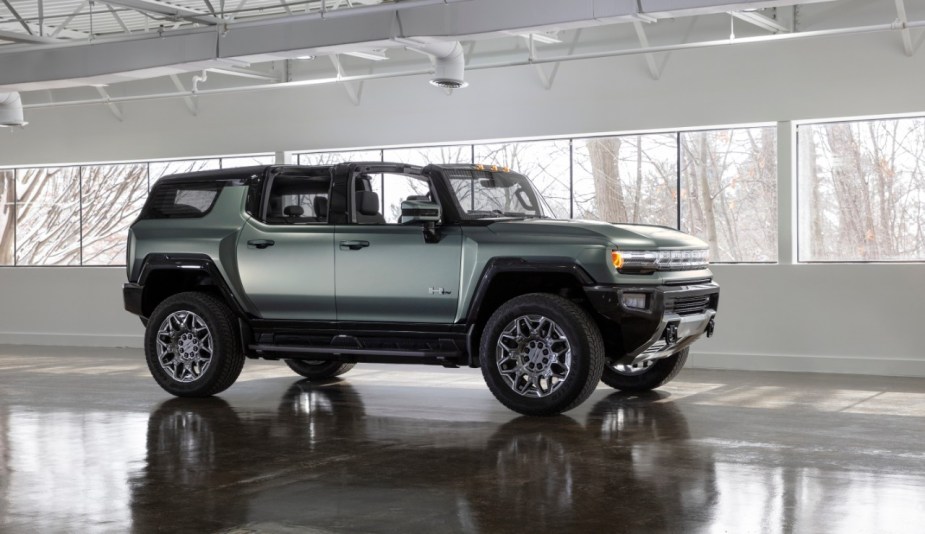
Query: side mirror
x=419, y=211
x=422, y=212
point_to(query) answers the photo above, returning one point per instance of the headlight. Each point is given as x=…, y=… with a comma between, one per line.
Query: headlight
x=647, y=261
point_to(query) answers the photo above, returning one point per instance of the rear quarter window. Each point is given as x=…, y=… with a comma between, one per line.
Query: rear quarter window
x=181, y=200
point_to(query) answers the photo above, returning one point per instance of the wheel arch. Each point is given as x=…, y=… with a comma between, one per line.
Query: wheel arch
x=505, y=278
x=164, y=275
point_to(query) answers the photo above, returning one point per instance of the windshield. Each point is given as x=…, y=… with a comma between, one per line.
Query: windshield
x=482, y=194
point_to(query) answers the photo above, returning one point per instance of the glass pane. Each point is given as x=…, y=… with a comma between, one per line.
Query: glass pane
x=164, y=168
x=631, y=179
x=546, y=163
x=399, y=187
x=430, y=154
x=7, y=219
x=862, y=191
x=48, y=216
x=248, y=161
x=330, y=158
x=112, y=196
x=729, y=192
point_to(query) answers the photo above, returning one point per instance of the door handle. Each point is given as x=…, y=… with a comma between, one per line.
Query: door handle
x=261, y=243
x=353, y=245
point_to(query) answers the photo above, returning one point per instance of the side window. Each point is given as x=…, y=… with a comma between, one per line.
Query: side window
x=298, y=200
x=387, y=193
x=181, y=200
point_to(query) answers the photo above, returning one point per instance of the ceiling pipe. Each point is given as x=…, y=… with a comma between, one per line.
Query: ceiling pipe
x=449, y=62
x=11, y=110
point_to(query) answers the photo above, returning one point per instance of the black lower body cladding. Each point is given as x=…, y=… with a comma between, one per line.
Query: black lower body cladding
x=638, y=325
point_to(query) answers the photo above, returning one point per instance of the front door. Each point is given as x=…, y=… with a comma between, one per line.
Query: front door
x=385, y=271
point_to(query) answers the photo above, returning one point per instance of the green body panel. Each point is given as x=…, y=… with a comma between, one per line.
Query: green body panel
x=294, y=278
x=214, y=235
x=398, y=277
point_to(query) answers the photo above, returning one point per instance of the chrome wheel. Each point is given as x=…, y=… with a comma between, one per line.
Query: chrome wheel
x=633, y=369
x=184, y=346
x=533, y=355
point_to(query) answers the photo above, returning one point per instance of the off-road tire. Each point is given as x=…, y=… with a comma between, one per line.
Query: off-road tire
x=319, y=370
x=659, y=373
x=582, y=335
x=227, y=358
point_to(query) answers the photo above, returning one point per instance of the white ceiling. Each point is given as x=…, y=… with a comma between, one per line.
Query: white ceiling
x=49, y=49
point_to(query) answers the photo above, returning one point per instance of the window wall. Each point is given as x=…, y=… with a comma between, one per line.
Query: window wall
x=79, y=215
x=729, y=192
x=861, y=191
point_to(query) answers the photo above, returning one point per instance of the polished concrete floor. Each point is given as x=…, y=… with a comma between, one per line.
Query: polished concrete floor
x=88, y=443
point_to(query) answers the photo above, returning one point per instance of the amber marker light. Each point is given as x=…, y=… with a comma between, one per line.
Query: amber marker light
x=617, y=259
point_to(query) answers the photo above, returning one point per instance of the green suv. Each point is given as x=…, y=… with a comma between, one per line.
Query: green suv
x=327, y=266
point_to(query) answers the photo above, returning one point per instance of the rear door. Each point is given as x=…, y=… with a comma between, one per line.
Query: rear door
x=286, y=250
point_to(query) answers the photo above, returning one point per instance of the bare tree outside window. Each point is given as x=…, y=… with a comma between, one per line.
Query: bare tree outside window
x=729, y=192
x=48, y=216
x=159, y=169
x=248, y=161
x=546, y=163
x=111, y=198
x=429, y=154
x=626, y=179
x=862, y=191
x=7, y=218
x=332, y=158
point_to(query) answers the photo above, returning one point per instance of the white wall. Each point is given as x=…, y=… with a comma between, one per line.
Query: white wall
x=838, y=318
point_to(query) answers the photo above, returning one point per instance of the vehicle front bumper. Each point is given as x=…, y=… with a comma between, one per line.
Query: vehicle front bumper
x=674, y=317
x=131, y=296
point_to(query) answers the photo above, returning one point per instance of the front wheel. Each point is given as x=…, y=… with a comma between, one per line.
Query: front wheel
x=318, y=370
x=644, y=376
x=191, y=345
x=541, y=354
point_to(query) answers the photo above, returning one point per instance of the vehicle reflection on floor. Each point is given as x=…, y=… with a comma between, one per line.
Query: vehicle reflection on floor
x=320, y=461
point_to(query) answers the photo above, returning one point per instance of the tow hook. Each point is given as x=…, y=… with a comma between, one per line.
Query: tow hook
x=710, y=326
x=671, y=334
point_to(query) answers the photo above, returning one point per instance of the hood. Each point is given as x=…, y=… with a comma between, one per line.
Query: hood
x=625, y=236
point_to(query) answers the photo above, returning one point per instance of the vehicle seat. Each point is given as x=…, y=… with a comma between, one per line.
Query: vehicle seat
x=367, y=204
x=320, y=205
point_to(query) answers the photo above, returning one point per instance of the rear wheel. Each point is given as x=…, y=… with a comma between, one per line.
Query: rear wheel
x=644, y=376
x=317, y=369
x=192, y=347
x=541, y=354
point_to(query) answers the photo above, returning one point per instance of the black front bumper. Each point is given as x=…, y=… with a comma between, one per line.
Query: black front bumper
x=131, y=296
x=667, y=308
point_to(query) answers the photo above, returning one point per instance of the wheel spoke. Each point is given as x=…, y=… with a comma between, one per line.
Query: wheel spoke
x=184, y=346
x=533, y=355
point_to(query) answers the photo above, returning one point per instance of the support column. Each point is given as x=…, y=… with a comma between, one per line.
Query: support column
x=786, y=193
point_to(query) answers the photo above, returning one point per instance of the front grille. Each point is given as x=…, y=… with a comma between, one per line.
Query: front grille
x=690, y=305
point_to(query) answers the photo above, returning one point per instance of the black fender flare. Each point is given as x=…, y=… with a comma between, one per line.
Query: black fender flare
x=498, y=265
x=157, y=262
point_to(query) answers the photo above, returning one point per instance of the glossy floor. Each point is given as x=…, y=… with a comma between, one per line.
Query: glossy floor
x=88, y=443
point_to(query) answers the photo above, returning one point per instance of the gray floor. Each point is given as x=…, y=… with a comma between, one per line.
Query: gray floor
x=88, y=443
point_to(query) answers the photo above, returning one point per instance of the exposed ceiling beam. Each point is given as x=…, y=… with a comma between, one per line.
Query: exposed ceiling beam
x=16, y=15
x=904, y=32
x=188, y=100
x=762, y=21
x=644, y=42
x=70, y=18
x=159, y=8
x=113, y=107
x=18, y=37
x=243, y=73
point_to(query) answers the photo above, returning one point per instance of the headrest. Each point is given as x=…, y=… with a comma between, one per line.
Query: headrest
x=321, y=207
x=367, y=203
x=293, y=211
